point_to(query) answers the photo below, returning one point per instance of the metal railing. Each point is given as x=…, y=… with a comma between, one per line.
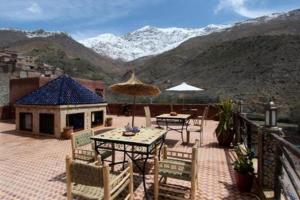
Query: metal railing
x=246, y=132
x=287, y=169
x=286, y=156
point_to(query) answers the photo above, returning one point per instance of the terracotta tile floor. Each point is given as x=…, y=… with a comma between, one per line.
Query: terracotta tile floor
x=33, y=168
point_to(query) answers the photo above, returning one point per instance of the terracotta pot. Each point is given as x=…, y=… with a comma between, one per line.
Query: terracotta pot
x=244, y=181
x=67, y=132
x=108, y=121
x=225, y=139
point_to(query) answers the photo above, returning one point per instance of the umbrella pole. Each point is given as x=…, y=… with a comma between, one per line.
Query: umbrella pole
x=133, y=111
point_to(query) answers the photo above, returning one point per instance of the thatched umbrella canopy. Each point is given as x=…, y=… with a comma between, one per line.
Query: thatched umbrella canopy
x=135, y=87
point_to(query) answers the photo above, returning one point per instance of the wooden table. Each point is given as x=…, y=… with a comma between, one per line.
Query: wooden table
x=145, y=143
x=180, y=119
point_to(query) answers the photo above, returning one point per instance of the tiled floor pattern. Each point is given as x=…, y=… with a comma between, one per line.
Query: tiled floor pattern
x=33, y=168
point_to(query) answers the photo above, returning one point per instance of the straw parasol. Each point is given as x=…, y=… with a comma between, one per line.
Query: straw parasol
x=134, y=87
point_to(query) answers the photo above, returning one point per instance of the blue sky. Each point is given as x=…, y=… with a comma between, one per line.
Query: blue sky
x=87, y=18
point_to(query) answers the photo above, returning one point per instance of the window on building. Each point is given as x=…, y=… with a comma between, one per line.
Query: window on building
x=76, y=121
x=97, y=118
x=47, y=123
x=26, y=121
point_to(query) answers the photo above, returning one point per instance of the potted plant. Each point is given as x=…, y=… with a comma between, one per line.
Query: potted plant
x=224, y=130
x=108, y=121
x=244, y=171
x=68, y=130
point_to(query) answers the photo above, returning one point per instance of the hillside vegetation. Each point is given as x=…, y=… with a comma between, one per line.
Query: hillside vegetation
x=62, y=51
x=255, y=69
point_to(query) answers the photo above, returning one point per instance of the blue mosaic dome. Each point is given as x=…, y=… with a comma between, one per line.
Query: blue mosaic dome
x=61, y=91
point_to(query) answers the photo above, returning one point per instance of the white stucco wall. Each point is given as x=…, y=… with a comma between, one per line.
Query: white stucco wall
x=60, y=113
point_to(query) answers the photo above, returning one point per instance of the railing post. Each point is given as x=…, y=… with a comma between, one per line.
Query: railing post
x=248, y=129
x=268, y=159
x=241, y=129
x=236, y=126
x=260, y=171
x=270, y=154
x=278, y=172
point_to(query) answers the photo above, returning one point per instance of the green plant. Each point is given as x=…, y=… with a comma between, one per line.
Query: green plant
x=225, y=117
x=243, y=164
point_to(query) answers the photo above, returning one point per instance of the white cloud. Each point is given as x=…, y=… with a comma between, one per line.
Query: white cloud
x=241, y=7
x=34, y=8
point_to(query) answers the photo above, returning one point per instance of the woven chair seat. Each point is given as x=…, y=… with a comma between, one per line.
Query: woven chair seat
x=90, y=192
x=182, y=173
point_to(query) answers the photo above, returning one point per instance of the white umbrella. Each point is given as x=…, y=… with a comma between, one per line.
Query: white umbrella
x=184, y=87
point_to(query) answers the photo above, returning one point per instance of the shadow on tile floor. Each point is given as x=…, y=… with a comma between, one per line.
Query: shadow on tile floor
x=61, y=177
x=28, y=135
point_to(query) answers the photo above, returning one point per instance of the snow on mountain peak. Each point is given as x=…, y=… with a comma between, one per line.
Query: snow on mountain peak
x=41, y=33
x=36, y=33
x=145, y=41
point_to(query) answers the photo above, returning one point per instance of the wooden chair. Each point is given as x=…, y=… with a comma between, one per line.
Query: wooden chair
x=199, y=128
x=148, y=116
x=198, y=119
x=149, y=122
x=178, y=165
x=83, y=148
x=92, y=181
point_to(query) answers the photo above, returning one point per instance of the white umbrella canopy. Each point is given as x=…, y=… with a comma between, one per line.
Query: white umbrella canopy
x=184, y=87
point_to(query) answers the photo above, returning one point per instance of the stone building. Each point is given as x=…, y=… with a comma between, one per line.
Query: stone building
x=59, y=103
x=8, y=61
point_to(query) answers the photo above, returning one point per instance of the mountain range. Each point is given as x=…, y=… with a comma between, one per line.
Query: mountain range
x=150, y=41
x=254, y=60
x=146, y=41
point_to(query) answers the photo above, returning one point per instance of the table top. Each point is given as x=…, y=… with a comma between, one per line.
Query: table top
x=146, y=136
x=178, y=116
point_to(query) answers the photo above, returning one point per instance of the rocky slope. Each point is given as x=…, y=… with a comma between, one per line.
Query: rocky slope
x=146, y=41
x=253, y=60
x=288, y=23
x=59, y=49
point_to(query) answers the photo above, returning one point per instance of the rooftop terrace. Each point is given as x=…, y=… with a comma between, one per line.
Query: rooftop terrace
x=34, y=167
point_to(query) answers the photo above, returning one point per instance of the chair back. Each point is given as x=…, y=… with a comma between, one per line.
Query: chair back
x=86, y=174
x=82, y=138
x=148, y=116
x=91, y=176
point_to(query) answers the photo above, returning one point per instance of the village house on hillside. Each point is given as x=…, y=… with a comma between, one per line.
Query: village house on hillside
x=22, y=66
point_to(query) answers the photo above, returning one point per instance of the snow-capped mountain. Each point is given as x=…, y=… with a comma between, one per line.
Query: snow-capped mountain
x=145, y=41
